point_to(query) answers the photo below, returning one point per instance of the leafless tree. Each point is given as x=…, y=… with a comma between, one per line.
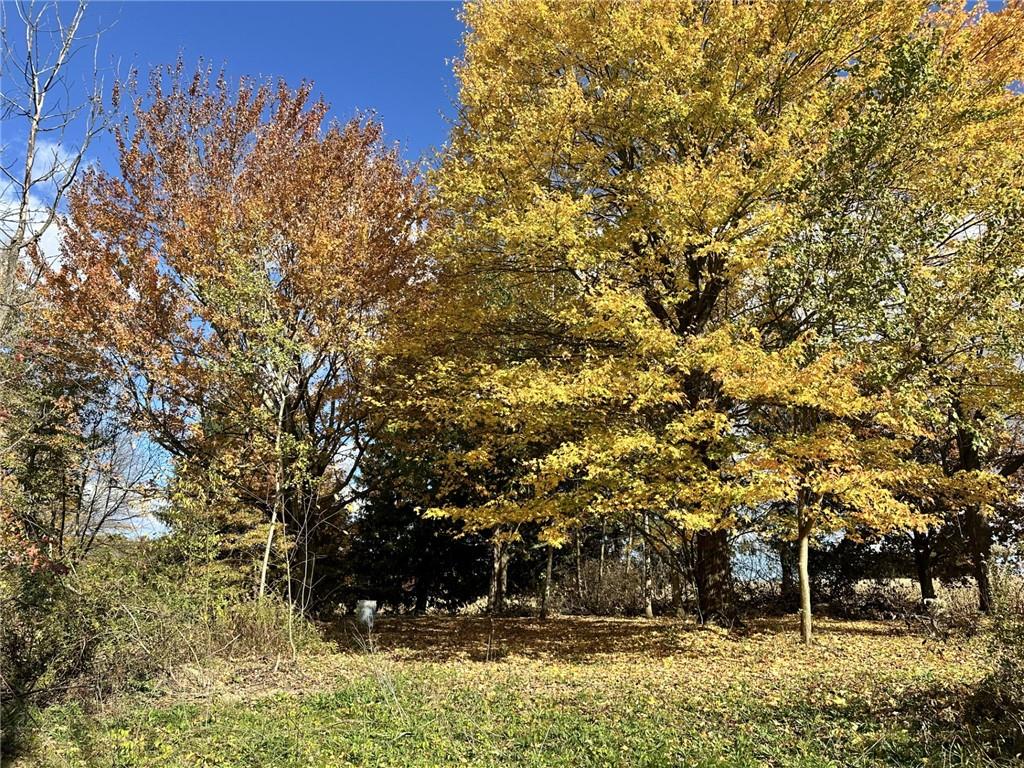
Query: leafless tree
x=49, y=122
x=114, y=490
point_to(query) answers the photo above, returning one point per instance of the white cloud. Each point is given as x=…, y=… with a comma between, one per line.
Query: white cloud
x=53, y=164
x=52, y=159
x=38, y=213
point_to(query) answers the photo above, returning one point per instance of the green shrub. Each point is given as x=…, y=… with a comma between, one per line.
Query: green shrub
x=133, y=610
x=998, y=711
x=1008, y=644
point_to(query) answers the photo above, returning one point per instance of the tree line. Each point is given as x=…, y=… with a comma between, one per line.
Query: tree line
x=683, y=270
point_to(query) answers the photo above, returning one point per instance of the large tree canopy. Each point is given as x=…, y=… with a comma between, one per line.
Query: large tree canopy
x=690, y=243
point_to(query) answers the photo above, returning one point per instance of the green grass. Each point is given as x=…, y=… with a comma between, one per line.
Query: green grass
x=666, y=696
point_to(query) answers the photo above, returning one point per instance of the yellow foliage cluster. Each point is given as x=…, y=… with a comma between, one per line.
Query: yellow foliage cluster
x=714, y=257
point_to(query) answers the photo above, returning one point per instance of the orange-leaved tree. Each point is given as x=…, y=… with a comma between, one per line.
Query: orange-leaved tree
x=237, y=275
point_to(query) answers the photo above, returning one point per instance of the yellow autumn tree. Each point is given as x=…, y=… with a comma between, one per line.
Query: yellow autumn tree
x=626, y=185
x=911, y=256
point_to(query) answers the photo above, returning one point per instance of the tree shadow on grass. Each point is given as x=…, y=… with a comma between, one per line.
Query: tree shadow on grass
x=482, y=638
x=566, y=638
x=825, y=626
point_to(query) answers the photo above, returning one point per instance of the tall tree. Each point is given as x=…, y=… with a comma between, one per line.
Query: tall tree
x=909, y=256
x=49, y=120
x=617, y=176
x=45, y=111
x=237, y=276
x=631, y=190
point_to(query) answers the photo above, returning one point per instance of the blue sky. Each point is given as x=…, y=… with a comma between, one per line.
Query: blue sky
x=393, y=58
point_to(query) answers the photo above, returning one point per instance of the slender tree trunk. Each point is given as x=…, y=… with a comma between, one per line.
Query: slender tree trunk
x=805, y=583
x=279, y=471
x=629, y=549
x=501, y=580
x=424, y=573
x=688, y=568
x=302, y=556
x=647, y=576
x=790, y=592
x=600, y=562
x=546, y=594
x=579, y=567
x=422, y=598
x=495, y=595
x=923, y=561
x=506, y=554
x=714, y=576
x=266, y=552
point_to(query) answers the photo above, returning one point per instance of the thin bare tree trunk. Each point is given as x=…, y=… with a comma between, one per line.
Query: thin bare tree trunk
x=805, y=583
x=505, y=553
x=579, y=568
x=629, y=549
x=266, y=552
x=278, y=486
x=493, y=587
x=546, y=595
x=647, y=580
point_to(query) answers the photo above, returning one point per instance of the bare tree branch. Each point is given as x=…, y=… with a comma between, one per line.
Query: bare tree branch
x=36, y=178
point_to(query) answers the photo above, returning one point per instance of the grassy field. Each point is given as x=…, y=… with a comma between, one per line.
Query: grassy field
x=567, y=692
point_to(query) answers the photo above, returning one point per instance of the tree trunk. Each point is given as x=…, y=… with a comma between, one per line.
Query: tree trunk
x=979, y=538
x=422, y=598
x=579, y=567
x=629, y=549
x=790, y=593
x=647, y=580
x=923, y=560
x=677, y=592
x=424, y=574
x=714, y=576
x=266, y=553
x=505, y=555
x=499, y=577
x=600, y=562
x=805, y=584
x=279, y=476
x=546, y=594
